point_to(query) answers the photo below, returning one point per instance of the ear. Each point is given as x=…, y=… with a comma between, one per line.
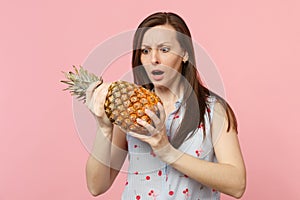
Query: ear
x=185, y=56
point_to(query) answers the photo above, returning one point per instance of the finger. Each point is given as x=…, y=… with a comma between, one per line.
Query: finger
x=139, y=136
x=93, y=86
x=89, y=92
x=153, y=116
x=146, y=125
x=161, y=111
x=158, y=123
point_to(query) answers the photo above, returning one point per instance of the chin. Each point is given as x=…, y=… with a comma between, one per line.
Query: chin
x=161, y=84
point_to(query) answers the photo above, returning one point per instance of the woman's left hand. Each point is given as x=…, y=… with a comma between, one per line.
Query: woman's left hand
x=157, y=137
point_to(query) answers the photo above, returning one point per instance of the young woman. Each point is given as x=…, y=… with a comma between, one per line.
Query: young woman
x=192, y=150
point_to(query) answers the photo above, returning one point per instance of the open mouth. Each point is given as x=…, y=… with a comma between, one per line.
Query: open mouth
x=157, y=72
x=157, y=75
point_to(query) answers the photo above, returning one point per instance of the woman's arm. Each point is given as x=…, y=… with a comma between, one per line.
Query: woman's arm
x=109, y=150
x=227, y=176
x=106, y=160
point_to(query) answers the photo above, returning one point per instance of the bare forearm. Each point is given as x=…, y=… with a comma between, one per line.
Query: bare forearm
x=222, y=177
x=225, y=178
x=98, y=164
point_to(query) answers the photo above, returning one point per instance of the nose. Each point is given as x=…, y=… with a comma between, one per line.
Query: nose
x=155, y=58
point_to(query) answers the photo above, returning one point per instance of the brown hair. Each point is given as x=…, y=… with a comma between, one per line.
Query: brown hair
x=194, y=98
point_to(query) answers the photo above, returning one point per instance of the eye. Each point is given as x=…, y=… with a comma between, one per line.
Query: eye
x=165, y=49
x=145, y=51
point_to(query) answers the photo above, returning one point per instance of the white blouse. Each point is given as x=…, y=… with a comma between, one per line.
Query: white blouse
x=151, y=179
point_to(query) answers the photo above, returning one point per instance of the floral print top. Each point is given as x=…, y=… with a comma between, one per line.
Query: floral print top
x=151, y=179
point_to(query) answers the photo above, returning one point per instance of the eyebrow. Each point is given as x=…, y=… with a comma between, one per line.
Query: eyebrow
x=159, y=45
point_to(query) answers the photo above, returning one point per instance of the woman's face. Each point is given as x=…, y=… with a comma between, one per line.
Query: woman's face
x=162, y=55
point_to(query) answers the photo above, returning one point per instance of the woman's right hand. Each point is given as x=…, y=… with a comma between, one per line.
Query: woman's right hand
x=95, y=99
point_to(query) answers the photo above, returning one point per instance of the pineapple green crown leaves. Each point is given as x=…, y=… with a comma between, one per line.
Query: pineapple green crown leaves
x=124, y=101
x=79, y=81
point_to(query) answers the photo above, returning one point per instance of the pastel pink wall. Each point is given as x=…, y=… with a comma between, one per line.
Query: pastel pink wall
x=255, y=45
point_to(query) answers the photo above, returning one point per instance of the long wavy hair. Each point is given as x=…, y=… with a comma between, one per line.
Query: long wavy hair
x=196, y=96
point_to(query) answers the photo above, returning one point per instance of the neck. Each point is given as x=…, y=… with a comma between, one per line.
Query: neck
x=170, y=94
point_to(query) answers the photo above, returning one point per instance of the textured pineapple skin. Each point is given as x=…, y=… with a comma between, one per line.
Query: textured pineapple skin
x=125, y=102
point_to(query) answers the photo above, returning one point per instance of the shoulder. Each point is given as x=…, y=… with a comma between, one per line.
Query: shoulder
x=223, y=113
x=220, y=108
x=214, y=105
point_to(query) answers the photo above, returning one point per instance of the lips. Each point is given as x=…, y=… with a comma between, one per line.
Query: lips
x=157, y=72
x=157, y=75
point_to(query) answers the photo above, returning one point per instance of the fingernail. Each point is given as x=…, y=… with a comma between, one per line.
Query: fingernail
x=98, y=84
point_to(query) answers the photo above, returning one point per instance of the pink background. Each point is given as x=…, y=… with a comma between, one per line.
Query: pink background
x=255, y=45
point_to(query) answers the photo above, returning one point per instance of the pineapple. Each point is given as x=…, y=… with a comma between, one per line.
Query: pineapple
x=124, y=103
